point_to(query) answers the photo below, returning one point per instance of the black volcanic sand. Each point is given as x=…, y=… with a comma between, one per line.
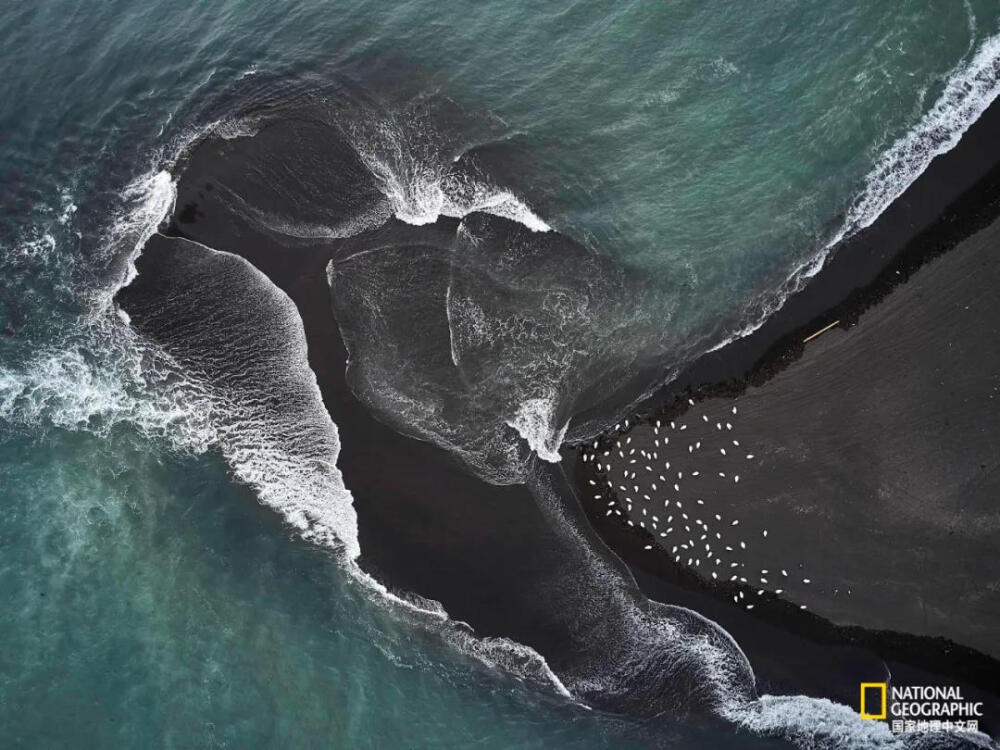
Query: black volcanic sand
x=494, y=556
x=876, y=463
x=511, y=561
x=874, y=471
x=958, y=194
x=875, y=445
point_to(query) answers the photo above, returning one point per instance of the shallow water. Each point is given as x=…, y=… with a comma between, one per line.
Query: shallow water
x=710, y=152
x=150, y=601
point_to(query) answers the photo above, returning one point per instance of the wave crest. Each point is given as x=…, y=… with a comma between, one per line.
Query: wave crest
x=970, y=89
x=420, y=169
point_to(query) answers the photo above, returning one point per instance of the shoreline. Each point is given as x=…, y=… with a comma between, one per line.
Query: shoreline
x=493, y=556
x=858, y=276
x=958, y=194
x=424, y=521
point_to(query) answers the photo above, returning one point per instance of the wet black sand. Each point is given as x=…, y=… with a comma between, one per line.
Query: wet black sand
x=875, y=445
x=492, y=555
x=958, y=194
x=487, y=552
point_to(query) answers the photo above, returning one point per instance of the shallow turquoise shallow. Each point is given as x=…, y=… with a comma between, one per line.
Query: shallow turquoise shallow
x=147, y=600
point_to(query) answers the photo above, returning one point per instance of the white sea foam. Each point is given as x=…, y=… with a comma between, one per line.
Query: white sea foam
x=107, y=375
x=535, y=422
x=103, y=376
x=811, y=723
x=132, y=381
x=151, y=197
x=411, y=162
x=970, y=89
x=289, y=457
x=147, y=200
x=821, y=724
x=422, y=193
x=287, y=451
x=496, y=653
x=237, y=127
x=38, y=247
x=640, y=645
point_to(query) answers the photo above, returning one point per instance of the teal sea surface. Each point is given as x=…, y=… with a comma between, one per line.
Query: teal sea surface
x=150, y=598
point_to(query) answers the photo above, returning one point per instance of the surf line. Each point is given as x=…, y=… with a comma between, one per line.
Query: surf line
x=824, y=329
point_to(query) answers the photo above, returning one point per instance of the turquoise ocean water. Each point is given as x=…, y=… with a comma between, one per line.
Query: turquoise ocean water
x=150, y=600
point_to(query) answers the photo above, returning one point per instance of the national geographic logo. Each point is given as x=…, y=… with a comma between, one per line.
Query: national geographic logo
x=873, y=700
x=919, y=707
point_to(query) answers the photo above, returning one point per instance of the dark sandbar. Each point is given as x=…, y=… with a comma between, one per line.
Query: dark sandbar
x=428, y=526
x=875, y=443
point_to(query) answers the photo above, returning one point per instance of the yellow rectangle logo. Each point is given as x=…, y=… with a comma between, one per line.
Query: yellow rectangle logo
x=873, y=696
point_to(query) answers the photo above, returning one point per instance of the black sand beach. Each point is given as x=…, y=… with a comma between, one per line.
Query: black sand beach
x=874, y=474
x=877, y=452
x=496, y=558
x=874, y=450
x=491, y=555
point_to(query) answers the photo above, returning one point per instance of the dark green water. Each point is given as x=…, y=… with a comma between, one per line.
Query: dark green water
x=148, y=599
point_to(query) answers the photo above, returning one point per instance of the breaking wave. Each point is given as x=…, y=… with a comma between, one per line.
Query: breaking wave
x=151, y=198
x=511, y=356
x=509, y=656
x=969, y=90
x=820, y=723
x=416, y=171
x=535, y=422
x=104, y=375
x=419, y=169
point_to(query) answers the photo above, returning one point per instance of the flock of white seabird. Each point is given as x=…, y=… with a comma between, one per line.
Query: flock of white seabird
x=643, y=488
